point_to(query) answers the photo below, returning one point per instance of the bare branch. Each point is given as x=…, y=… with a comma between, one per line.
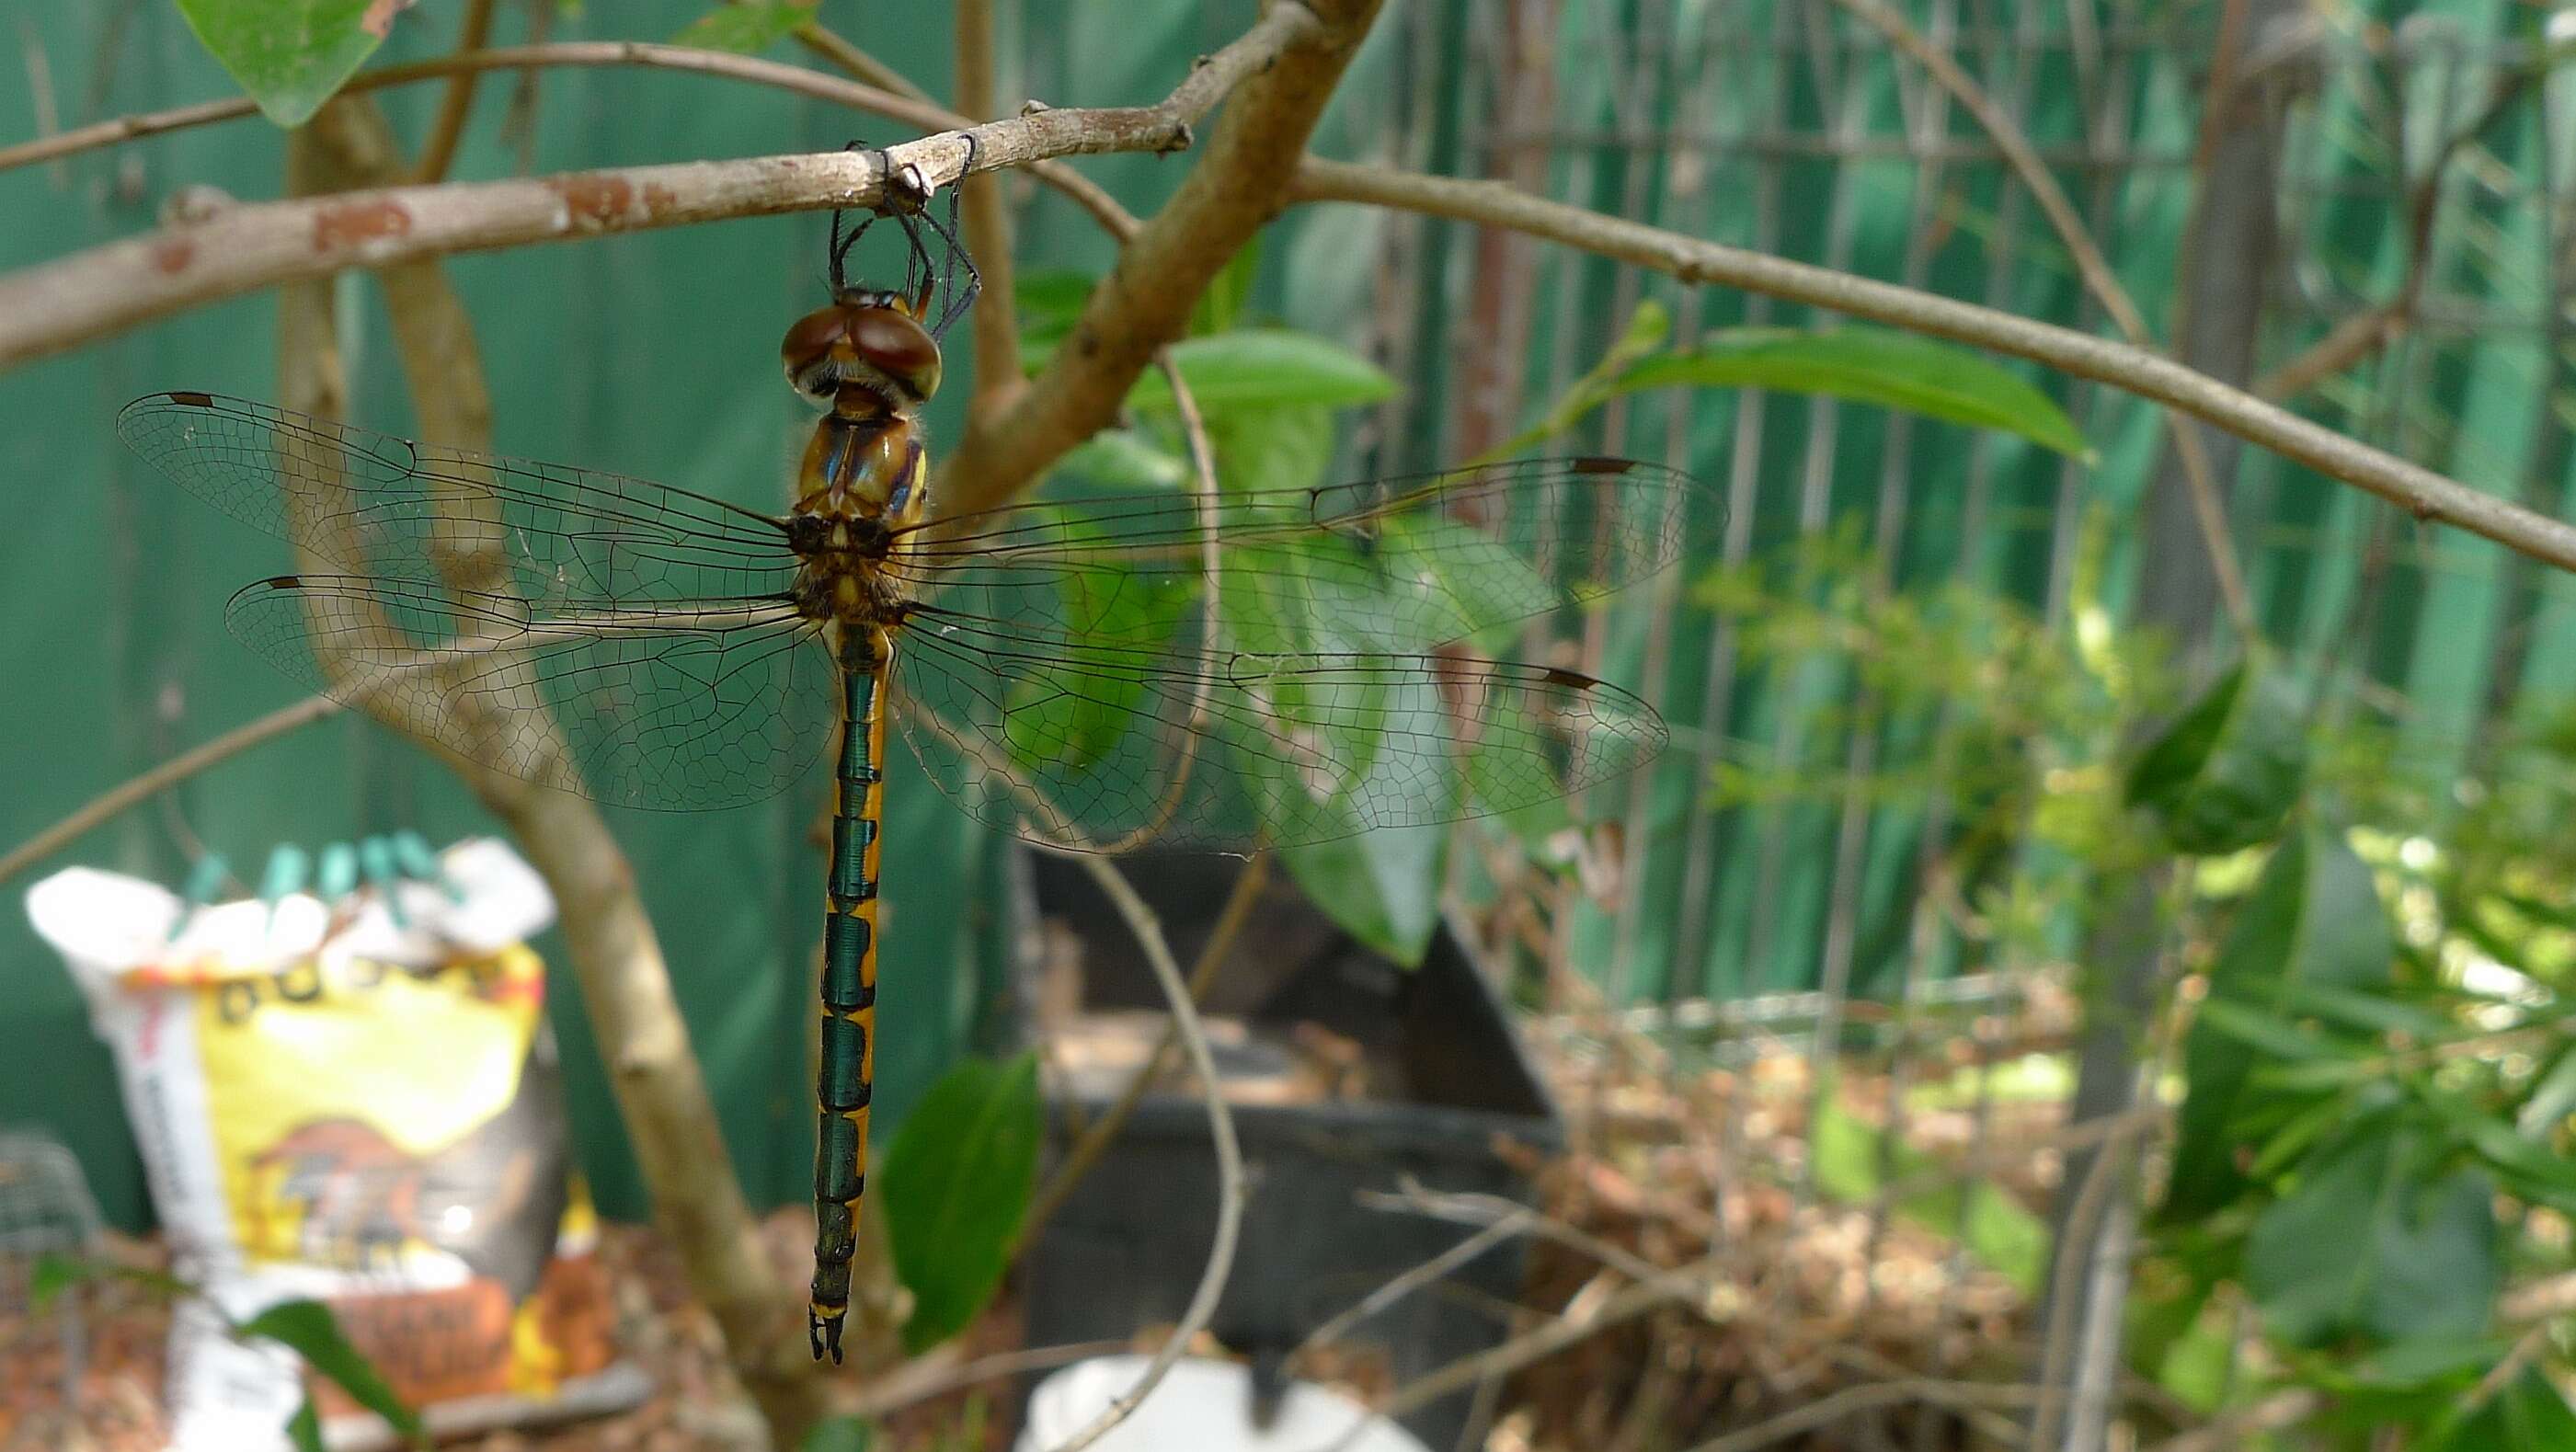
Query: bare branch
x=161, y=778
x=2412, y=487
x=1236, y=186
x=904, y=104
x=57, y=305
x=988, y=222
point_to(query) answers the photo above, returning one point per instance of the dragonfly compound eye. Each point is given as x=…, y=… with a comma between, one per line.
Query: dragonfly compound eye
x=878, y=350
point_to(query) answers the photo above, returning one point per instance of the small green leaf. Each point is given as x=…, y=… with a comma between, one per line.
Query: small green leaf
x=1868, y=365
x=304, y=1428
x=1264, y=368
x=956, y=1183
x=2312, y=920
x=1048, y=301
x=2552, y=1099
x=308, y=1329
x=1220, y=308
x=1646, y=331
x=288, y=56
x=744, y=29
x=1125, y=459
x=2223, y=776
x=1381, y=887
x=2374, y=1242
x=839, y=1434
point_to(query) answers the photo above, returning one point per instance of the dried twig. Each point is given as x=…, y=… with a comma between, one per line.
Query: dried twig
x=1096, y=1136
x=161, y=778
x=439, y=151
x=72, y=300
x=1229, y=1154
x=1851, y=1400
x=996, y=320
x=2422, y=492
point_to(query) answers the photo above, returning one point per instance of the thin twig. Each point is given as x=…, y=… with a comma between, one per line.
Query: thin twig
x=161, y=778
x=60, y=304
x=996, y=321
x=1229, y=1154
x=439, y=151
x=2422, y=492
x=2198, y=476
x=1502, y=1228
x=2285, y=1408
x=1850, y=1400
x=840, y=52
x=1096, y=1136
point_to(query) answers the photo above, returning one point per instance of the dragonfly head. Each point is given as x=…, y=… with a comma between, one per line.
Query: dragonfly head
x=867, y=342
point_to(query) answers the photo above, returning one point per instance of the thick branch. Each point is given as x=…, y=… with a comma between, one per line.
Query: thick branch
x=2420, y=491
x=1144, y=303
x=58, y=305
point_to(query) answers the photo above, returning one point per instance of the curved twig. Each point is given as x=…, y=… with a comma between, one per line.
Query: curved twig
x=439, y=151
x=2418, y=490
x=1229, y=1154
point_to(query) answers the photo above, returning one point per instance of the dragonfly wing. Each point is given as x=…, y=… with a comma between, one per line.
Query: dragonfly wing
x=1399, y=564
x=1106, y=746
x=377, y=505
x=707, y=704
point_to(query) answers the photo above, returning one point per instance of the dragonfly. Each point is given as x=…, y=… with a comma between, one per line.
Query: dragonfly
x=1227, y=670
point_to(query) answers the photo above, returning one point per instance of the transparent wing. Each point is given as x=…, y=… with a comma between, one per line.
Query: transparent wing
x=1106, y=746
x=708, y=705
x=381, y=506
x=1398, y=564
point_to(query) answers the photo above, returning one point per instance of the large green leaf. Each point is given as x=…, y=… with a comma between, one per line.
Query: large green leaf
x=1381, y=887
x=1868, y=365
x=308, y=1329
x=288, y=56
x=2376, y=1240
x=2226, y=773
x=2527, y=1414
x=1264, y=368
x=744, y=29
x=956, y=1184
x=2313, y=920
x=1125, y=459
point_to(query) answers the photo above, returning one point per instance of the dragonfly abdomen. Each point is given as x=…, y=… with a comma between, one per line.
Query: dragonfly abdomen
x=845, y=1078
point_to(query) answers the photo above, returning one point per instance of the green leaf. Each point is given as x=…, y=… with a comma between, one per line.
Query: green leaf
x=1264, y=368
x=1381, y=887
x=1220, y=308
x=744, y=29
x=308, y=1329
x=839, y=1434
x=1048, y=301
x=2552, y=1099
x=956, y=1183
x=1869, y=365
x=1127, y=460
x=1991, y=1225
x=304, y=1428
x=2225, y=774
x=1646, y=331
x=2373, y=1242
x=288, y=56
x=2529, y=1414
x=2312, y=920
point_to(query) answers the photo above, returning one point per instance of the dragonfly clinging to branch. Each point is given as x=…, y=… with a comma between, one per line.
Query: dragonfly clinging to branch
x=1064, y=669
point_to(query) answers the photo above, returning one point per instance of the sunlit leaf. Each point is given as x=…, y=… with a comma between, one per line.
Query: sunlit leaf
x=289, y=56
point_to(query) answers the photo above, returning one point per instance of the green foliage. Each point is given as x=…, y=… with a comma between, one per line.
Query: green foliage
x=1263, y=368
x=288, y=56
x=2223, y=776
x=2378, y=1239
x=956, y=1185
x=744, y=29
x=1865, y=365
x=1849, y=1155
x=839, y=1434
x=308, y=1329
